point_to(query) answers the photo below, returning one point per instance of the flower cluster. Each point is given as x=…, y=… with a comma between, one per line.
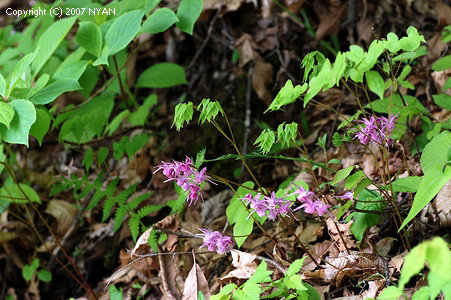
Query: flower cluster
x=377, y=130
x=309, y=203
x=186, y=176
x=215, y=241
x=273, y=205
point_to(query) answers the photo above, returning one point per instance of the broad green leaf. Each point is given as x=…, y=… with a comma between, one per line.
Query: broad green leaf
x=137, y=142
x=443, y=100
x=87, y=159
x=18, y=71
x=113, y=125
x=447, y=85
x=375, y=83
x=342, y=174
x=24, y=117
x=412, y=41
x=53, y=90
x=103, y=59
x=354, y=179
x=435, y=153
x=319, y=81
x=394, y=102
x=261, y=274
x=442, y=64
x=102, y=154
x=39, y=85
x=140, y=115
x=151, y=4
x=114, y=293
x=89, y=37
x=236, y=210
x=49, y=41
x=288, y=94
x=242, y=229
x=355, y=54
x=41, y=126
x=393, y=43
x=390, y=293
x=162, y=75
x=365, y=182
x=188, y=12
x=73, y=70
x=339, y=67
x=27, y=272
x=409, y=184
x=248, y=291
x=430, y=185
x=123, y=31
x=405, y=71
x=6, y=113
x=12, y=193
x=2, y=86
x=159, y=21
x=44, y=275
x=294, y=282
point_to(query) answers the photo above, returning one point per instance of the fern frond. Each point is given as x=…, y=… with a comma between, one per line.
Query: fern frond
x=108, y=207
x=125, y=194
x=119, y=216
x=133, y=225
x=98, y=195
x=148, y=209
x=138, y=200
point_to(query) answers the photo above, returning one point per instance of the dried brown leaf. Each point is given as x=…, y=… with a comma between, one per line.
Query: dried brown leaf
x=384, y=246
x=262, y=79
x=196, y=281
x=246, y=45
x=344, y=229
x=170, y=223
x=329, y=18
x=63, y=212
x=245, y=267
x=142, y=242
x=168, y=276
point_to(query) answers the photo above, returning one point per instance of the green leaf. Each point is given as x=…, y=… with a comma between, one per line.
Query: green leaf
x=435, y=153
x=41, y=126
x=2, y=86
x=138, y=142
x=151, y=4
x=430, y=185
x=242, y=229
x=361, y=186
x=39, y=85
x=123, y=31
x=295, y=267
x=393, y=43
x=209, y=110
x=447, y=85
x=355, y=54
x=375, y=83
x=409, y=184
x=112, y=127
x=249, y=291
x=102, y=154
x=87, y=160
x=44, y=275
x=442, y=63
x=319, y=81
x=395, y=103
x=236, y=210
x=6, y=113
x=294, y=282
x=18, y=71
x=261, y=274
x=412, y=41
x=114, y=293
x=286, y=133
x=27, y=272
x=53, y=90
x=390, y=293
x=265, y=140
x=12, y=193
x=159, y=21
x=103, y=59
x=133, y=225
x=188, y=12
x=288, y=94
x=24, y=117
x=162, y=75
x=354, y=179
x=342, y=174
x=183, y=113
x=139, y=117
x=443, y=100
x=49, y=41
x=89, y=37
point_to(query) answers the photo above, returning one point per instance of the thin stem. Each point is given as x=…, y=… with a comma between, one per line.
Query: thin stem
x=123, y=93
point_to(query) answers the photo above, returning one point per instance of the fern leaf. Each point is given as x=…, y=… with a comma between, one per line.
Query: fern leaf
x=125, y=194
x=138, y=200
x=152, y=240
x=108, y=207
x=98, y=195
x=133, y=225
x=148, y=209
x=121, y=211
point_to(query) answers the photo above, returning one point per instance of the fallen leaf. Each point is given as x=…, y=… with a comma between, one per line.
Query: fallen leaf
x=262, y=79
x=245, y=267
x=63, y=212
x=329, y=18
x=226, y=5
x=347, y=242
x=246, y=45
x=384, y=246
x=442, y=205
x=215, y=206
x=168, y=276
x=171, y=222
x=195, y=282
x=142, y=242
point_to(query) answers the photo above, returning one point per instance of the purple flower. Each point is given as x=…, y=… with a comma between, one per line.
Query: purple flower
x=347, y=195
x=310, y=202
x=377, y=130
x=268, y=204
x=186, y=176
x=303, y=195
x=215, y=241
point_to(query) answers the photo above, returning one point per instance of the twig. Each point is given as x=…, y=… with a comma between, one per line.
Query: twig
x=123, y=93
x=247, y=118
x=272, y=262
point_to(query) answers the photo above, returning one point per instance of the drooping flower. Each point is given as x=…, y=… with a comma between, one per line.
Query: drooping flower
x=310, y=202
x=376, y=130
x=186, y=176
x=268, y=205
x=347, y=195
x=215, y=241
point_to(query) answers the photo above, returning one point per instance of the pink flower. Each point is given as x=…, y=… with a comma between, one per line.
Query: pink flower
x=186, y=176
x=270, y=205
x=215, y=241
x=303, y=195
x=377, y=130
x=347, y=195
x=310, y=202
